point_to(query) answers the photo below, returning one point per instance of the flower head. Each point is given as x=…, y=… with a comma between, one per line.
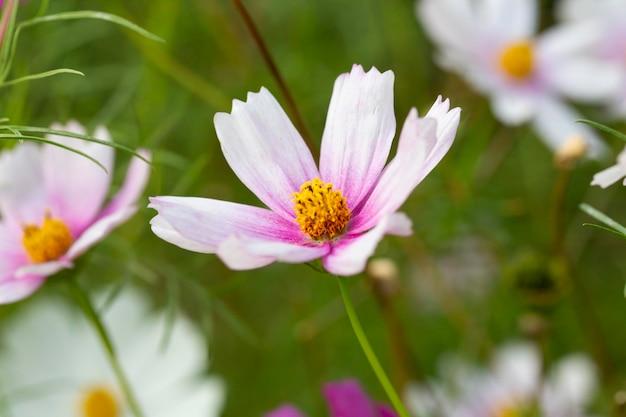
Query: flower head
x=513, y=386
x=494, y=46
x=338, y=212
x=53, y=364
x=344, y=399
x=51, y=206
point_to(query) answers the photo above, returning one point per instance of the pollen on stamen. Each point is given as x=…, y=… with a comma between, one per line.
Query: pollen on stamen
x=517, y=60
x=47, y=242
x=321, y=212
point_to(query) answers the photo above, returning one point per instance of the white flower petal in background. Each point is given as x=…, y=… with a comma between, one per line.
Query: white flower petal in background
x=494, y=46
x=512, y=386
x=53, y=365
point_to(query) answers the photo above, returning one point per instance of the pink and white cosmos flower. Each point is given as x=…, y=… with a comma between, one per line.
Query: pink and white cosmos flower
x=338, y=212
x=51, y=206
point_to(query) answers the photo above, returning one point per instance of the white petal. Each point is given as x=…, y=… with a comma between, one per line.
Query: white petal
x=450, y=23
x=513, y=107
x=518, y=366
x=359, y=130
x=570, y=384
x=555, y=123
x=608, y=176
x=349, y=256
x=511, y=19
x=265, y=151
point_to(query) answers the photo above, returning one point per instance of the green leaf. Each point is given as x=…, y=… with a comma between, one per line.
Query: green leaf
x=604, y=128
x=82, y=14
x=40, y=75
x=598, y=215
x=51, y=142
x=19, y=129
x=606, y=229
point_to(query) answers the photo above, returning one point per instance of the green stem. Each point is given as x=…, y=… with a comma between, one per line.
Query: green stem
x=369, y=352
x=85, y=304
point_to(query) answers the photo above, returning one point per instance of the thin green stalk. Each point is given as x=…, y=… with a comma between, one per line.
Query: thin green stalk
x=369, y=352
x=83, y=301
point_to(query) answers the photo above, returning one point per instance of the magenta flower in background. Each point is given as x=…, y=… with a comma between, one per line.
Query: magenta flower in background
x=338, y=212
x=51, y=206
x=344, y=399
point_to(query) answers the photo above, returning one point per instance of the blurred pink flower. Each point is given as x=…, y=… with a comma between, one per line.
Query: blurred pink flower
x=51, y=206
x=494, y=46
x=344, y=399
x=603, y=21
x=612, y=174
x=339, y=212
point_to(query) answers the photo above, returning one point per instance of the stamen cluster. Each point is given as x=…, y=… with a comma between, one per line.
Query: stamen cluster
x=48, y=242
x=321, y=212
x=517, y=60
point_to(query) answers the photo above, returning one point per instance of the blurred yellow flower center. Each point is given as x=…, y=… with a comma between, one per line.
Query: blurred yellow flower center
x=508, y=410
x=99, y=402
x=321, y=212
x=517, y=60
x=48, y=242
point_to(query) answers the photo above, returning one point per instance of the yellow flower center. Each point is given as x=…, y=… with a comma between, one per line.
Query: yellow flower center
x=517, y=60
x=48, y=242
x=321, y=212
x=509, y=409
x=99, y=402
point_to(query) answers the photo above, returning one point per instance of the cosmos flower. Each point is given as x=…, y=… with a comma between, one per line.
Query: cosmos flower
x=53, y=365
x=603, y=21
x=51, y=206
x=338, y=212
x=494, y=46
x=345, y=399
x=513, y=386
x=612, y=174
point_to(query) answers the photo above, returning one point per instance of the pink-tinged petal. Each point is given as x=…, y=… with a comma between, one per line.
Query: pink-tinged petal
x=209, y=222
x=555, y=122
x=423, y=143
x=15, y=289
x=165, y=231
x=99, y=230
x=136, y=179
x=44, y=269
x=359, y=130
x=347, y=399
x=76, y=187
x=243, y=253
x=286, y=410
x=265, y=151
x=22, y=196
x=349, y=256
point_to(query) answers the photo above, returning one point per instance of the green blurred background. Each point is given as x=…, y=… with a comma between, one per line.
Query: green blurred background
x=481, y=260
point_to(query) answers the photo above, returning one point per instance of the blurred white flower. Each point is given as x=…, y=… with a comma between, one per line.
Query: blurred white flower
x=612, y=174
x=494, y=46
x=53, y=365
x=513, y=386
x=603, y=20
